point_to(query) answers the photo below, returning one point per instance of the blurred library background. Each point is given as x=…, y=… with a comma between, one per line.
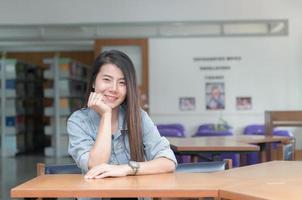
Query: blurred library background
x=41, y=91
x=182, y=51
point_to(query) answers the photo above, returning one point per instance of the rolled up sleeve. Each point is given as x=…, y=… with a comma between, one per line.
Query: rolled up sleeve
x=155, y=145
x=80, y=142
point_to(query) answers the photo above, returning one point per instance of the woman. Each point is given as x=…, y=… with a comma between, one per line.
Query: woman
x=112, y=136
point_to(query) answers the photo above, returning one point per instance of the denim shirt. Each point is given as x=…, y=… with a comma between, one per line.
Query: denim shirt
x=82, y=127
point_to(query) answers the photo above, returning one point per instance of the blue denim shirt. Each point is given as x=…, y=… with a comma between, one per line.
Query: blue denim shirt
x=82, y=127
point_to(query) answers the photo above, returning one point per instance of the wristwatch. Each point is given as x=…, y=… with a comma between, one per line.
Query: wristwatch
x=134, y=166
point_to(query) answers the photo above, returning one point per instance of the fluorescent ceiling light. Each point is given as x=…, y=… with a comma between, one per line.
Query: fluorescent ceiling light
x=245, y=28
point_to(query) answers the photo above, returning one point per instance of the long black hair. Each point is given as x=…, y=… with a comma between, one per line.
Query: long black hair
x=132, y=100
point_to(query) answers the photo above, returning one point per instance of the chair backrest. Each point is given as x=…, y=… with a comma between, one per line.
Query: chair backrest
x=171, y=130
x=280, y=132
x=259, y=129
x=254, y=129
x=57, y=169
x=211, y=130
x=204, y=167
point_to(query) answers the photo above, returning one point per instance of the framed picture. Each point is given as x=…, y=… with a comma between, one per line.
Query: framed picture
x=186, y=103
x=215, y=96
x=244, y=103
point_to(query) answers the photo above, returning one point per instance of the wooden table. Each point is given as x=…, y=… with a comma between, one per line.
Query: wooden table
x=160, y=185
x=271, y=180
x=211, y=144
x=263, y=141
x=222, y=144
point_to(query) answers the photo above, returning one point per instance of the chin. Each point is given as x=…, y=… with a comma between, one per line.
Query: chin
x=113, y=105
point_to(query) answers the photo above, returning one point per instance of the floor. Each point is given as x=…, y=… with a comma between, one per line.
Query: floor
x=16, y=170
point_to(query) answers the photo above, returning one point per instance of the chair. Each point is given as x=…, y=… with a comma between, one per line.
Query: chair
x=171, y=130
x=57, y=169
x=209, y=130
x=204, y=167
x=213, y=130
x=200, y=167
x=259, y=129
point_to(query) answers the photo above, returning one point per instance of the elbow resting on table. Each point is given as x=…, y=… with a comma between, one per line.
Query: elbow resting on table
x=170, y=166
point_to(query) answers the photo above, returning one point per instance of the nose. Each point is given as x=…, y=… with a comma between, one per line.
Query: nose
x=114, y=86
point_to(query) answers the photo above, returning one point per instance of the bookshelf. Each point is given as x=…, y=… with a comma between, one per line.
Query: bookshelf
x=66, y=83
x=21, y=107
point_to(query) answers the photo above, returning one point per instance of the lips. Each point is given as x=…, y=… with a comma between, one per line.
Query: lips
x=111, y=98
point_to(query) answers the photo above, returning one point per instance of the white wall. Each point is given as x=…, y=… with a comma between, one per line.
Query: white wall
x=263, y=73
x=270, y=72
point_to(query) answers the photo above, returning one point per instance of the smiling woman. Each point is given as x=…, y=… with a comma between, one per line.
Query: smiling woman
x=112, y=135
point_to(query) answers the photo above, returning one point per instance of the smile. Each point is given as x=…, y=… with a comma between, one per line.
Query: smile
x=111, y=98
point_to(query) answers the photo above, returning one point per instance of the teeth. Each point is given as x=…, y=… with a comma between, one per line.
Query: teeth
x=111, y=98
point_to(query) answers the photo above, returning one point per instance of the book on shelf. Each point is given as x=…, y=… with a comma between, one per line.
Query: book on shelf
x=20, y=109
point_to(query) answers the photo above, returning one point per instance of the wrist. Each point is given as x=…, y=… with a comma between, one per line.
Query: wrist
x=129, y=170
x=134, y=167
x=107, y=114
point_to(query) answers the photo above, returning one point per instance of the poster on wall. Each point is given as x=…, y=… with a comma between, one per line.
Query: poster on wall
x=215, y=96
x=186, y=103
x=244, y=103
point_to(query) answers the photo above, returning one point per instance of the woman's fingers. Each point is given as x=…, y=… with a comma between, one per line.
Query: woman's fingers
x=95, y=171
x=94, y=99
x=90, y=99
x=103, y=175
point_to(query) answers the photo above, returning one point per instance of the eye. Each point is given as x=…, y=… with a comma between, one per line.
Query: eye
x=123, y=83
x=106, y=79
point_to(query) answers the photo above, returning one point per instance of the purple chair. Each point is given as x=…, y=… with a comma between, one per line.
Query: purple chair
x=174, y=130
x=171, y=130
x=259, y=129
x=206, y=130
x=254, y=129
x=213, y=130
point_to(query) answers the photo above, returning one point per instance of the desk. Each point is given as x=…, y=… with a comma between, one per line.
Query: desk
x=160, y=185
x=271, y=180
x=210, y=144
x=263, y=141
x=236, y=144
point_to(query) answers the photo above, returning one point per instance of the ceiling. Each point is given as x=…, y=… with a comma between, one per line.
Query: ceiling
x=82, y=36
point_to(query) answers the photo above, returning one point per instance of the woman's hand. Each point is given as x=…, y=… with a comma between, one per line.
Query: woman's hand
x=106, y=170
x=97, y=103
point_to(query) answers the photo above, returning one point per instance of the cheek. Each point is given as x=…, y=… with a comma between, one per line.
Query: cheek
x=99, y=87
x=124, y=92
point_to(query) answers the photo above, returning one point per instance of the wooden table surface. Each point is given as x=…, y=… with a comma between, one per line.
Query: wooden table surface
x=215, y=144
x=221, y=144
x=258, y=139
x=271, y=180
x=160, y=185
x=276, y=180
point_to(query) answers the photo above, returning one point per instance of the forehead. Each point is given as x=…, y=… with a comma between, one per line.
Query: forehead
x=111, y=70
